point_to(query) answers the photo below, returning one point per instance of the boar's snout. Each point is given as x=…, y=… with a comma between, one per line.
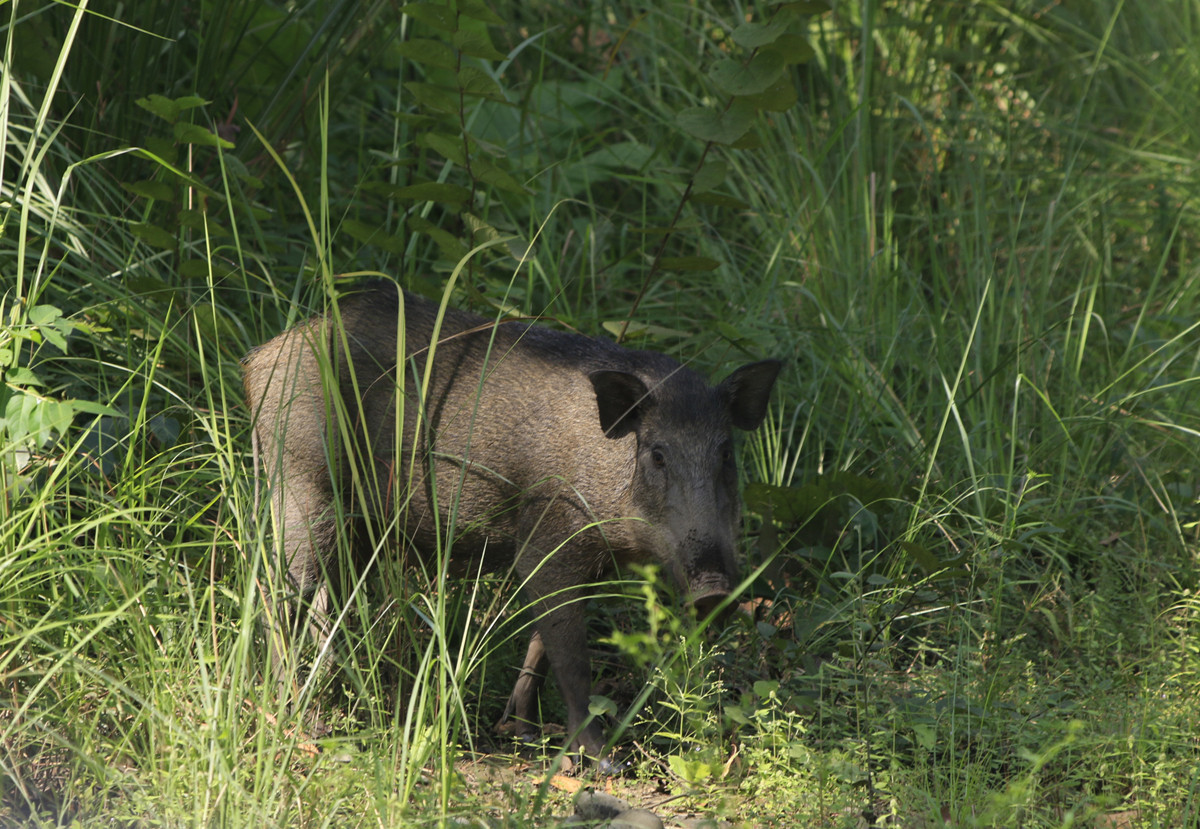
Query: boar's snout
x=707, y=591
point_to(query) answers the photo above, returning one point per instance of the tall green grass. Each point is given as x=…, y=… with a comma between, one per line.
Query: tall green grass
x=971, y=239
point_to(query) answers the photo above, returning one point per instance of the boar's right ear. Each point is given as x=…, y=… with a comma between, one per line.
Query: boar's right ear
x=622, y=399
x=747, y=392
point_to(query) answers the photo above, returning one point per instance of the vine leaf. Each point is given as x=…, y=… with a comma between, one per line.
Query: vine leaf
x=720, y=127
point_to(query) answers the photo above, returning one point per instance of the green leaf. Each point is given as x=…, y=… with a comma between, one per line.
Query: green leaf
x=750, y=78
x=153, y=235
x=474, y=81
x=763, y=688
x=477, y=44
x=20, y=375
x=433, y=191
x=201, y=136
x=428, y=52
x=161, y=106
x=639, y=330
x=169, y=109
x=437, y=98
x=202, y=220
x=688, y=263
x=449, y=147
x=793, y=48
x=450, y=245
x=599, y=706
x=720, y=200
x=692, y=772
x=44, y=314
x=778, y=97
x=709, y=176
x=478, y=10
x=754, y=35
x=201, y=268
x=159, y=190
x=373, y=235
x=804, y=7
x=489, y=173
x=724, y=127
x=432, y=14
x=186, y=102
x=93, y=407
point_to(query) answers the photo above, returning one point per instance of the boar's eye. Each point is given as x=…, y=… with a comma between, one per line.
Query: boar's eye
x=658, y=458
x=726, y=453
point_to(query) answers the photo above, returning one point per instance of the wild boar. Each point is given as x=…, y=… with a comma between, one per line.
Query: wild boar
x=508, y=445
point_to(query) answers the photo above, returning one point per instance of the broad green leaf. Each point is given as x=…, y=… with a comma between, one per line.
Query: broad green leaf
x=169, y=109
x=926, y=560
x=450, y=245
x=165, y=429
x=373, y=235
x=688, y=263
x=163, y=147
x=692, y=772
x=161, y=106
x=195, y=134
x=636, y=330
x=474, y=81
x=720, y=200
x=438, y=98
x=478, y=10
x=93, y=407
x=489, y=173
x=202, y=268
x=749, y=141
x=44, y=314
x=429, y=53
x=433, y=14
x=778, y=97
x=477, y=44
x=750, y=78
x=202, y=221
x=19, y=375
x=709, y=176
x=186, y=102
x=153, y=235
x=754, y=35
x=764, y=688
x=728, y=331
x=159, y=190
x=804, y=7
x=629, y=155
x=449, y=147
x=601, y=706
x=433, y=191
x=721, y=127
x=793, y=48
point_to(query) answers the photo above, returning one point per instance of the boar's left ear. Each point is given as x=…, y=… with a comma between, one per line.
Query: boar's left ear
x=622, y=399
x=747, y=391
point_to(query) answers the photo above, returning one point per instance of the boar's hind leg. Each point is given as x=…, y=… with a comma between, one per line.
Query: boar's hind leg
x=299, y=602
x=522, y=703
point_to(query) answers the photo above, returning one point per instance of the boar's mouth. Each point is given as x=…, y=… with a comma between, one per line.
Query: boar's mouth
x=708, y=602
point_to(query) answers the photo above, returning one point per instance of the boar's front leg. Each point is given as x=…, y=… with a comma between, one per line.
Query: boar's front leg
x=557, y=603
